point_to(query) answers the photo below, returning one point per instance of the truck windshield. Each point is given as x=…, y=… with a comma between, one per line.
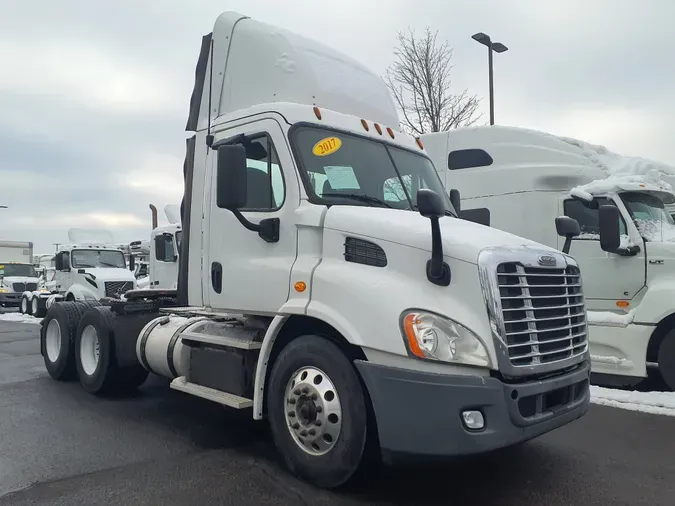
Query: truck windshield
x=23, y=270
x=83, y=258
x=648, y=212
x=340, y=168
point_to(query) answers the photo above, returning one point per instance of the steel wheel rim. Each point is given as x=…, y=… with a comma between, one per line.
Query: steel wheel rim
x=53, y=340
x=34, y=305
x=24, y=305
x=313, y=411
x=90, y=350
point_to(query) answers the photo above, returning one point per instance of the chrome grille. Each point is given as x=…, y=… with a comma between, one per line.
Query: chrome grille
x=117, y=288
x=544, y=314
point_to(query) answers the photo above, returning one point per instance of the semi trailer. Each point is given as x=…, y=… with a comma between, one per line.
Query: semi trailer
x=326, y=283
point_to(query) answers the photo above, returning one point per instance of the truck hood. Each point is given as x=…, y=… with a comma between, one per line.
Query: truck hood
x=110, y=274
x=19, y=279
x=462, y=239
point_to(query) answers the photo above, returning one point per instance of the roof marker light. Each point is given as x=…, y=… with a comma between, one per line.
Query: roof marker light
x=378, y=128
x=317, y=112
x=419, y=142
x=365, y=124
x=390, y=132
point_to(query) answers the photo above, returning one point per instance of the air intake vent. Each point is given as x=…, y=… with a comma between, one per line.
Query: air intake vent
x=364, y=252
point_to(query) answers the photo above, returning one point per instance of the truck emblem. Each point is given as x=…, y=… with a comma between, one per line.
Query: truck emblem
x=546, y=260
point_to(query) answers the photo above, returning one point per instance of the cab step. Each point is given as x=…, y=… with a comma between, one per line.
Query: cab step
x=230, y=400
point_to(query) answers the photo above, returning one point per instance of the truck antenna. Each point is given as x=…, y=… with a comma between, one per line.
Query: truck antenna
x=209, y=136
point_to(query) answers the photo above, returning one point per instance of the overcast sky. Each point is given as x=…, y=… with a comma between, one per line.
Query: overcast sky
x=94, y=95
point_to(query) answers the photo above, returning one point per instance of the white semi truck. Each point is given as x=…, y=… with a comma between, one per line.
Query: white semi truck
x=359, y=327
x=17, y=273
x=163, y=251
x=525, y=178
x=90, y=268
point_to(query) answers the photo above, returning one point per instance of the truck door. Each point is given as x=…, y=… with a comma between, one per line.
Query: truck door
x=242, y=271
x=163, y=261
x=606, y=276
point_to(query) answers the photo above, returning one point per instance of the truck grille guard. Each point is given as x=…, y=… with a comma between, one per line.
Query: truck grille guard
x=536, y=309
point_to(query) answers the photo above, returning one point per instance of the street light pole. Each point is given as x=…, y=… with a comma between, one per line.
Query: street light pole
x=497, y=47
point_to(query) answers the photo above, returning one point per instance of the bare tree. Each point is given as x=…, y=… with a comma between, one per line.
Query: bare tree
x=419, y=80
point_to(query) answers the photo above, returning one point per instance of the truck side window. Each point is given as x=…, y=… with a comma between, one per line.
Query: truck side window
x=589, y=218
x=468, y=159
x=165, y=254
x=266, y=189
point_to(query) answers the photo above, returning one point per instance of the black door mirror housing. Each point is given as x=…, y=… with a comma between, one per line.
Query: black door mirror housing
x=456, y=200
x=610, y=233
x=231, y=181
x=569, y=229
x=132, y=263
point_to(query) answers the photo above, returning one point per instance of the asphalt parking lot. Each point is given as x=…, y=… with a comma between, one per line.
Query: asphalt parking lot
x=61, y=446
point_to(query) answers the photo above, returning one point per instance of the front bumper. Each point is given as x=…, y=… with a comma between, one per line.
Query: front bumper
x=420, y=414
x=8, y=299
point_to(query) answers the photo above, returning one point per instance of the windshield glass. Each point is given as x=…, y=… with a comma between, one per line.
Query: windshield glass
x=351, y=170
x=23, y=270
x=648, y=212
x=83, y=258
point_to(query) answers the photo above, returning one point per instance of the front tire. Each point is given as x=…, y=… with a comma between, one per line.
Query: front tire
x=317, y=412
x=666, y=359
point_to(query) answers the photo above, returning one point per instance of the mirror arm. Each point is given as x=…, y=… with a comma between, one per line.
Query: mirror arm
x=567, y=245
x=438, y=272
x=268, y=229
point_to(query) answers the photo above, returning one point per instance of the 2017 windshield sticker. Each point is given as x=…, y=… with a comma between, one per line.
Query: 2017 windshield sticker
x=326, y=146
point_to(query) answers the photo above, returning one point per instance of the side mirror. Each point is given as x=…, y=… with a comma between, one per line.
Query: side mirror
x=132, y=263
x=58, y=262
x=455, y=200
x=430, y=205
x=160, y=248
x=610, y=233
x=231, y=182
x=569, y=229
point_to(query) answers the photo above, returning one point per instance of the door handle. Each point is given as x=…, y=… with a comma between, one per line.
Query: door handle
x=217, y=277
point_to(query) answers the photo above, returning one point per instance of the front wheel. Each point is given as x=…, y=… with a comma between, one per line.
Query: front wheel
x=317, y=412
x=666, y=359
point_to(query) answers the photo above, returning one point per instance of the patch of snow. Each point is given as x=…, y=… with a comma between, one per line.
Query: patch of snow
x=655, y=403
x=656, y=231
x=581, y=194
x=608, y=359
x=625, y=242
x=587, y=236
x=19, y=318
x=609, y=318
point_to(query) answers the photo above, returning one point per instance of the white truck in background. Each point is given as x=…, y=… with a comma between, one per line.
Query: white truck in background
x=163, y=251
x=361, y=325
x=526, y=178
x=17, y=273
x=90, y=268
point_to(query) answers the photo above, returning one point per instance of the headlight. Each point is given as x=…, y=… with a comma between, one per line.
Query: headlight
x=3, y=290
x=434, y=337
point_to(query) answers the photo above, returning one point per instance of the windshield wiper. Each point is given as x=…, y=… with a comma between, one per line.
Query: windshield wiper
x=362, y=198
x=106, y=264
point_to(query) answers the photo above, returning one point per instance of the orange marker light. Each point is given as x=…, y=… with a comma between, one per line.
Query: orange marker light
x=300, y=286
x=378, y=128
x=409, y=326
x=390, y=132
x=365, y=124
x=419, y=142
x=317, y=113
x=622, y=303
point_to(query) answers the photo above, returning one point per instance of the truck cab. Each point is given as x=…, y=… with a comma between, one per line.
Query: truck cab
x=527, y=178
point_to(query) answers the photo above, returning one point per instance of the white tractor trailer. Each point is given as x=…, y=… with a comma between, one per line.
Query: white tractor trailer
x=326, y=283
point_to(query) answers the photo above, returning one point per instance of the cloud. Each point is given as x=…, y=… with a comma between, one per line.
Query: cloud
x=94, y=96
